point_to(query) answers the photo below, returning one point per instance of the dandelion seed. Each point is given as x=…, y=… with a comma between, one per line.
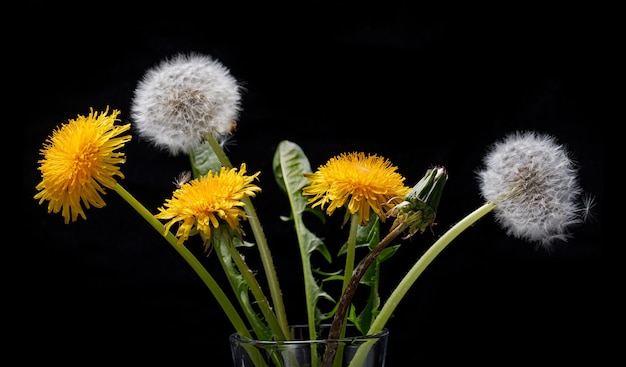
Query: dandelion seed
x=182, y=179
x=588, y=205
x=226, y=141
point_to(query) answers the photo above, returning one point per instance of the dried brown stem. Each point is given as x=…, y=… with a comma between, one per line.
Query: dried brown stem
x=348, y=294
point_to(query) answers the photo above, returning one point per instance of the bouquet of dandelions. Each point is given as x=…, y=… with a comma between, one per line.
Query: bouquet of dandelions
x=190, y=104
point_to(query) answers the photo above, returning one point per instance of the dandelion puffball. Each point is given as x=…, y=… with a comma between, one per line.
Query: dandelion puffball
x=534, y=183
x=184, y=98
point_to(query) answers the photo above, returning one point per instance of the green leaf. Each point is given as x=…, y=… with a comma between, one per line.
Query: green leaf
x=289, y=166
x=203, y=159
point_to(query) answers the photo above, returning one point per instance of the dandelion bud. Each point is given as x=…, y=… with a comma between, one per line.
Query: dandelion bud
x=419, y=207
x=429, y=188
x=182, y=100
x=534, y=184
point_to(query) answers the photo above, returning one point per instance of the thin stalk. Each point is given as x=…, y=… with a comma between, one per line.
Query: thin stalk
x=208, y=280
x=261, y=242
x=256, y=291
x=421, y=264
x=310, y=290
x=349, y=266
x=392, y=302
x=348, y=293
x=333, y=350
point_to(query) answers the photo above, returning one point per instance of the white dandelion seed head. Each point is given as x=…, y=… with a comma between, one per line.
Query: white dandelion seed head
x=534, y=183
x=184, y=98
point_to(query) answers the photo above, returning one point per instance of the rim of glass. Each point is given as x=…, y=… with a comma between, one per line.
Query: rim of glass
x=350, y=339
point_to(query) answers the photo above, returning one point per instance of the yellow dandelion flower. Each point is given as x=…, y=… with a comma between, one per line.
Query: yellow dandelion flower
x=80, y=158
x=209, y=201
x=358, y=182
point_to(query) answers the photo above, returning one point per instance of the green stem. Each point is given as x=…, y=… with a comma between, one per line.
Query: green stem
x=208, y=280
x=417, y=269
x=268, y=266
x=350, y=256
x=331, y=347
x=310, y=288
x=261, y=241
x=256, y=291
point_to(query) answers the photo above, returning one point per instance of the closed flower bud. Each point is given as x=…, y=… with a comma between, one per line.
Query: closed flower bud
x=419, y=207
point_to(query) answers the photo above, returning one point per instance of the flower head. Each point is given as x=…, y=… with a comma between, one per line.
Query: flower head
x=208, y=202
x=80, y=158
x=534, y=183
x=358, y=182
x=181, y=100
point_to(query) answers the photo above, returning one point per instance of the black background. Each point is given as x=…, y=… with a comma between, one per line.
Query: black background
x=387, y=79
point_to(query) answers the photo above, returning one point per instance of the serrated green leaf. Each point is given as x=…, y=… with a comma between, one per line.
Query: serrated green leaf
x=289, y=166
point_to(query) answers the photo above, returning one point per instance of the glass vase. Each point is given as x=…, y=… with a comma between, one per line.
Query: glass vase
x=355, y=350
